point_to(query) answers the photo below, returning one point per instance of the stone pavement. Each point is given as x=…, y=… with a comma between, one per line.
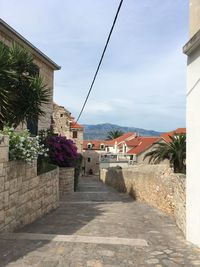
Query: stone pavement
x=98, y=227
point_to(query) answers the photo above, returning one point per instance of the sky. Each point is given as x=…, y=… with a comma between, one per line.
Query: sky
x=142, y=81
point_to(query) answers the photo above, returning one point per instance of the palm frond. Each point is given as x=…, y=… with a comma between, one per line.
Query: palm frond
x=174, y=151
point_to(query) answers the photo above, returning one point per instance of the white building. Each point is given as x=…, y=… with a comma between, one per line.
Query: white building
x=192, y=50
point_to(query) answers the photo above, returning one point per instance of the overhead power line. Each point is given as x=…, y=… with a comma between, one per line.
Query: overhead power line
x=102, y=56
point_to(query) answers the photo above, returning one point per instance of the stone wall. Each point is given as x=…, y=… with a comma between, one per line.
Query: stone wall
x=61, y=120
x=91, y=161
x=63, y=125
x=66, y=181
x=154, y=184
x=79, y=140
x=24, y=196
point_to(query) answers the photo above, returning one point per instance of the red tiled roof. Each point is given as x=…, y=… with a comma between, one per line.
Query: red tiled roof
x=142, y=143
x=75, y=125
x=133, y=142
x=166, y=137
x=95, y=144
x=124, y=137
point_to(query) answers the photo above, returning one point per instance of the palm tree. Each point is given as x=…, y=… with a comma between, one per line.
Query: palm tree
x=4, y=66
x=21, y=86
x=174, y=151
x=114, y=134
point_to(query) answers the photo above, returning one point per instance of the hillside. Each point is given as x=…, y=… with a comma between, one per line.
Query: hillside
x=99, y=131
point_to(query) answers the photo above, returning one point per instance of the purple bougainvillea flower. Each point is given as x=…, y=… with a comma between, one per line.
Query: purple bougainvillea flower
x=62, y=151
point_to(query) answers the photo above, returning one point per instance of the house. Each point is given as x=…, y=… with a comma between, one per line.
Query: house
x=140, y=146
x=92, y=152
x=63, y=123
x=46, y=69
x=61, y=120
x=192, y=50
x=96, y=151
x=114, y=146
x=76, y=131
x=166, y=136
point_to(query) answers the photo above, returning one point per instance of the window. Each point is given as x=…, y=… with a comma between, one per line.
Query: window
x=89, y=146
x=75, y=134
x=102, y=146
x=61, y=115
x=89, y=159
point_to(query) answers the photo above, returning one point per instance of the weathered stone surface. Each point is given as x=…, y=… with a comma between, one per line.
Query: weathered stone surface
x=154, y=184
x=66, y=180
x=63, y=126
x=24, y=196
x=80, y=231
x=3, y=154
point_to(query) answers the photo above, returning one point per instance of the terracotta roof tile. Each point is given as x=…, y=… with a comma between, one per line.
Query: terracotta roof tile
x=75, y=125
x=122, y=138
x=142, y=144
x=166, y=137
x=95, y=144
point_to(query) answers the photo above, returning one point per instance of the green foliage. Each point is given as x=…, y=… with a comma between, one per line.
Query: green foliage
x=4, y=86
x=43, y=162
x=77, y=171
x=22, y=92
x=175, y=152
x=44, y=135
x=114, y=134
x=22, y=146
x=43, y=165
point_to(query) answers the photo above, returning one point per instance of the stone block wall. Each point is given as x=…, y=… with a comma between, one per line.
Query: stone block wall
x=66, y=181
x=24, y=196
x=157, y=185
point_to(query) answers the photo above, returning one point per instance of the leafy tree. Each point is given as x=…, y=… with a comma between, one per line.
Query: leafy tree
x=114, y=134
x=22, y=91
x=174, y=151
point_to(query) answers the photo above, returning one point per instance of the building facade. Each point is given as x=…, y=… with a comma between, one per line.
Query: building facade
x=63, y=123
x=192, y=50
x=92, y=152
x=46, y=67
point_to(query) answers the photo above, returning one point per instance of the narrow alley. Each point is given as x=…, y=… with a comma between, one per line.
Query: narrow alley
x=98, y=227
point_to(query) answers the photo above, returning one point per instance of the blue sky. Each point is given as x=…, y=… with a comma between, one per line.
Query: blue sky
x=142, y=81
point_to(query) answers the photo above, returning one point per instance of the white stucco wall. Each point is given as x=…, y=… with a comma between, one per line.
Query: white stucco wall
x=193, y=149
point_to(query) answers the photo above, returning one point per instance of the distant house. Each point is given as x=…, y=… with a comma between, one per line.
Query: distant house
x=63, y=123
x=46, y=68
x=122, y=151
x=140, y=146
x=76, y=131
x=95, y=151
x=92, y=151
x=166, y=136
x=114, y=146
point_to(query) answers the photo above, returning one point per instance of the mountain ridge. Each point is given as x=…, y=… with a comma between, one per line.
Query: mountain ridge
x=99, y=131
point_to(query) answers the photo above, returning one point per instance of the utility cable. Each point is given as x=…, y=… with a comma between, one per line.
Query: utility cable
x=102, y=56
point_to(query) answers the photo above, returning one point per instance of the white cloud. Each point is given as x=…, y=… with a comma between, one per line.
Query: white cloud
x=142, y=79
